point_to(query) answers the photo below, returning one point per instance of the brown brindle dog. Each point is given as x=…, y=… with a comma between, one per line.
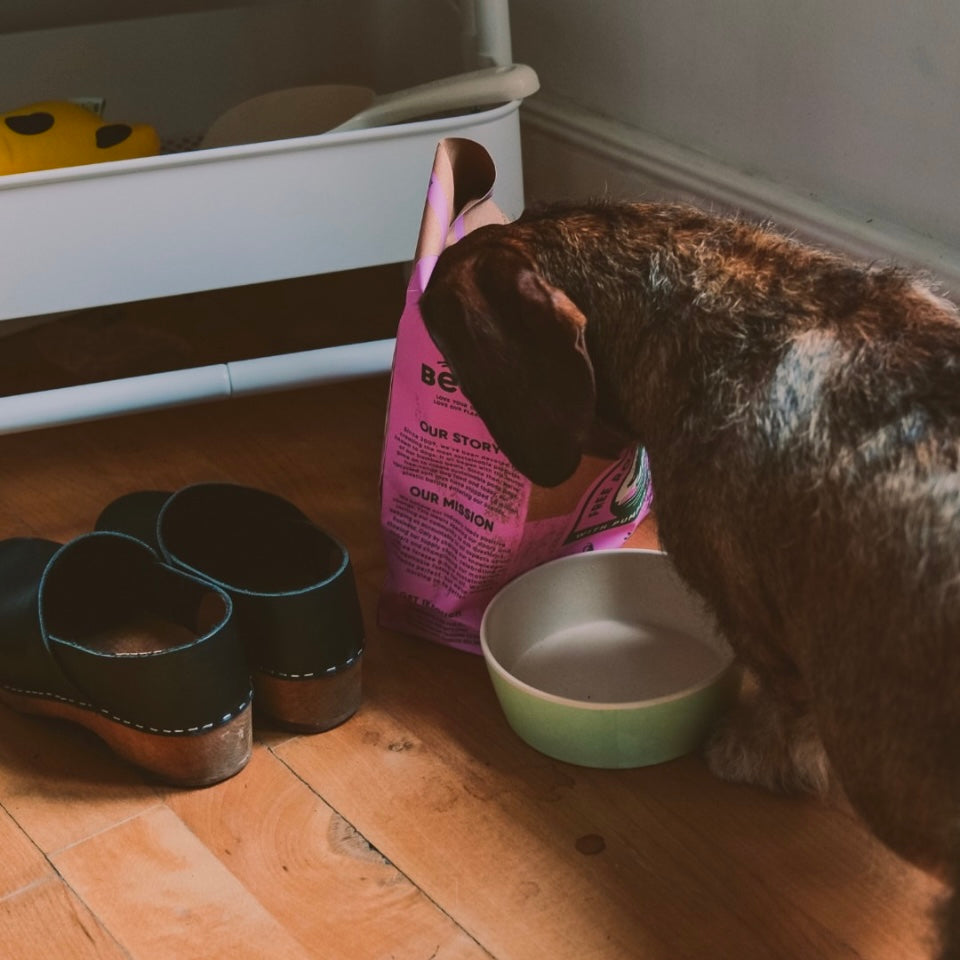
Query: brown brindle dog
x=802, y=417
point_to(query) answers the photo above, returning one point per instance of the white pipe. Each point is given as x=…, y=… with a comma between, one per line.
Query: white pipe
x=91, y=401
x=325, y=365
x=94, y=401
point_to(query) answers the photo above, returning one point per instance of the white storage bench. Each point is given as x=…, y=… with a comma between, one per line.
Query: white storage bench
x=204, y=219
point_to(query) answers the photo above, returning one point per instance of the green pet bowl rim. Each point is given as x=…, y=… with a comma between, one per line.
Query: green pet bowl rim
x=722, y=647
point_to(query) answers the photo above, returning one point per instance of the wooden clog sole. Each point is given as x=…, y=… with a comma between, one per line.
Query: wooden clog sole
x=188, y=758
x=309, y=704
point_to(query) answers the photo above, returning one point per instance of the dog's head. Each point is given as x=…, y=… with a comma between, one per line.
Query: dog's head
x=517, y=346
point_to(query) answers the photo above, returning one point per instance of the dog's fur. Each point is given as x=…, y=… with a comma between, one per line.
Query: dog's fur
x=802, y=417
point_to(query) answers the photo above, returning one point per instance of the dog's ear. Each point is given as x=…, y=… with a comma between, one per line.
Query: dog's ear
x=517, y=347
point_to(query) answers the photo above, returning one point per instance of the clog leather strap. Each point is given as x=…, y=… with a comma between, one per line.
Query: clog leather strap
x=26, y=658
x=322, y=627
x=292, y=582
x=58, y=603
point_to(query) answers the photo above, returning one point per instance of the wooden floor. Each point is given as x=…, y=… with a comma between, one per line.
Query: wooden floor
x=422, y=828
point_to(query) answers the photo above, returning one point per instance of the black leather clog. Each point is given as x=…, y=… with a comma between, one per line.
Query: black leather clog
x=100, y=632
x=292, y=585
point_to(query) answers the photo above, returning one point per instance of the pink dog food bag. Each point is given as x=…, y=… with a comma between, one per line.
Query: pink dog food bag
x=458, y=520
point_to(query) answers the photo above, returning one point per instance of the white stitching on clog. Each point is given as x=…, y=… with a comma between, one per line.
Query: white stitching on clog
x=145, y=728
x=326, y=672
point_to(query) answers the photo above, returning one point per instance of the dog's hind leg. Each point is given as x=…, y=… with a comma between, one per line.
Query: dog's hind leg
x=771, y=741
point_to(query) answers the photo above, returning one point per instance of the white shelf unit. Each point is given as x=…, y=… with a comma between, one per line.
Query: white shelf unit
x=205, y=219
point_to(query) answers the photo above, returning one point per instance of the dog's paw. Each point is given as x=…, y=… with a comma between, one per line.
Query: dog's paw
x=757, y=746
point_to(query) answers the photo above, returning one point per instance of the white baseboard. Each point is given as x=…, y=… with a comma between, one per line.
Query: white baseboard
x=572, y=153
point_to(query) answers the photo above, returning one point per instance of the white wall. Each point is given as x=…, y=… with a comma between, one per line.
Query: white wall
x=850, y=102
